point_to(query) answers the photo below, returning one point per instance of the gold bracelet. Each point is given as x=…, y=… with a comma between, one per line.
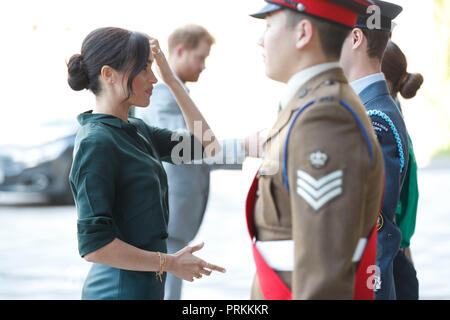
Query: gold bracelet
x=162, y=265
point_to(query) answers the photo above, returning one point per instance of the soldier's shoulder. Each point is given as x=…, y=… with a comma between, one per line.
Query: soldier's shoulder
x=334, y=93
x=334, y=99
x=333, y=106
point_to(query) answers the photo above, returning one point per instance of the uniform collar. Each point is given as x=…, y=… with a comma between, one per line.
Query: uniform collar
x=89, y=117
x=302, y=77
x=361, y=84
x=305, y=94
x=374, y=90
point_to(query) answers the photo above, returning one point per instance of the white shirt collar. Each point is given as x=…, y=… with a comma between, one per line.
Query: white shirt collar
x=360, y=84
x=300, y=78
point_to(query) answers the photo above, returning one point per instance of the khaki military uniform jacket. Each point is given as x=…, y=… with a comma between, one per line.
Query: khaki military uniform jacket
x=323, y=189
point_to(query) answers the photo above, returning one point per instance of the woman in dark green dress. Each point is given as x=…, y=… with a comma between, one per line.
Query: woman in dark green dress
x=117, y=178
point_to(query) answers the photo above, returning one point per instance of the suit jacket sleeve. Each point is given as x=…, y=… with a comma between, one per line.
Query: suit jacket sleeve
x=326, y=201
x=390, y=149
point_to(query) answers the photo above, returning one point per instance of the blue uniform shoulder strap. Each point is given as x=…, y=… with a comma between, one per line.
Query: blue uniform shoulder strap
x=285, y=155
x=347, y=107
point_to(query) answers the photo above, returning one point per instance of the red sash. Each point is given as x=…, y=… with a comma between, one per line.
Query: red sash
x=363, y=289
x=273, y=288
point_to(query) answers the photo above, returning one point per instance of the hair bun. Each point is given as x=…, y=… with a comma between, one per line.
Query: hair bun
x=78, y=76
x=411, y=85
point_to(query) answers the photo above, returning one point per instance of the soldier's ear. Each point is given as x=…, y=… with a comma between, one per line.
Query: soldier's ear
x=304, y=33
x=357, y=36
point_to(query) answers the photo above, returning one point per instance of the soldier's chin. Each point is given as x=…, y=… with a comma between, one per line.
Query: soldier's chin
x=272, y=75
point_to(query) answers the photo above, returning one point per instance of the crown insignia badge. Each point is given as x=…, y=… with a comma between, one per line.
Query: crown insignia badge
x=318, y=159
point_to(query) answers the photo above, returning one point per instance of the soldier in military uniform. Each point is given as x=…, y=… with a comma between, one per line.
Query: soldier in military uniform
x=361, y=59
x=313, y=206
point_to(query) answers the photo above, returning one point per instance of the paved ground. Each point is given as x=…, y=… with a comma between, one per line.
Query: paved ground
x=39, y=259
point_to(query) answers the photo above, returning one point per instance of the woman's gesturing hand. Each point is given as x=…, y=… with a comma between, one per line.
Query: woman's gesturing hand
x=163, y=66
x=186, y=266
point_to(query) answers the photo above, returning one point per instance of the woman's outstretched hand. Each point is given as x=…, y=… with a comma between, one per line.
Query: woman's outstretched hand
x=186, y=266
x=164, y=69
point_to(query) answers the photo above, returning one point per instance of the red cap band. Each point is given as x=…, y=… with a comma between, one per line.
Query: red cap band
x=324, y=9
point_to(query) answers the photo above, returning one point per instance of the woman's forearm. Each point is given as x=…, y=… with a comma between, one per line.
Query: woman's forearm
x=183, y=264
x=195, y=122
x=121, y=255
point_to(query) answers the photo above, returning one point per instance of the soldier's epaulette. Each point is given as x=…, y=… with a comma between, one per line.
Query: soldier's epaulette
x=398, y=141
x=297, y=115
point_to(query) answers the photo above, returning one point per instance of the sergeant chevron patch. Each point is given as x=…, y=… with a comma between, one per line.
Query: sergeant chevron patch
x=318, y=192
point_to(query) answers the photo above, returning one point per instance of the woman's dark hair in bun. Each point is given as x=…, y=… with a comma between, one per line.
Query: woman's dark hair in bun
x=122, y=50
x=412, y=83
x=78, y=77
x=394, y=67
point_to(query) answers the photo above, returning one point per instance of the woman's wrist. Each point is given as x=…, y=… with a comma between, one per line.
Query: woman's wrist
x=169, y=262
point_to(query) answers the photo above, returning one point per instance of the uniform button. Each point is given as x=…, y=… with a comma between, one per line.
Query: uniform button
x=258, y=193
x=303, y=93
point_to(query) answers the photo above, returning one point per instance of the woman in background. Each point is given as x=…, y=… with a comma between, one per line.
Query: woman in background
x=117, y=178
x=394, y=67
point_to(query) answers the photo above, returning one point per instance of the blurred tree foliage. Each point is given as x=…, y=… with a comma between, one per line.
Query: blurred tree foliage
x=442, y=20
x=441, y=72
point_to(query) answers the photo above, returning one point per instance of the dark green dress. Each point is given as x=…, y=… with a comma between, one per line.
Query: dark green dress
x=407, y=207
x=120, y=190
x=406, y=213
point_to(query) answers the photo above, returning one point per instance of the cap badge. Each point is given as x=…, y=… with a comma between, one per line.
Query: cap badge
x=318, y=159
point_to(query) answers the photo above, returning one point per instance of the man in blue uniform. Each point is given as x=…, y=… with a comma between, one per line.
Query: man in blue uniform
x=361, y=59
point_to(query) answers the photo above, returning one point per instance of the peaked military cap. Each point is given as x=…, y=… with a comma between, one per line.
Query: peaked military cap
x=389, y=11
x=343, y=12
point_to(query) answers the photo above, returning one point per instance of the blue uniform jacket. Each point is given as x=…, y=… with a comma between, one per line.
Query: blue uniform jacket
x=393, y=138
